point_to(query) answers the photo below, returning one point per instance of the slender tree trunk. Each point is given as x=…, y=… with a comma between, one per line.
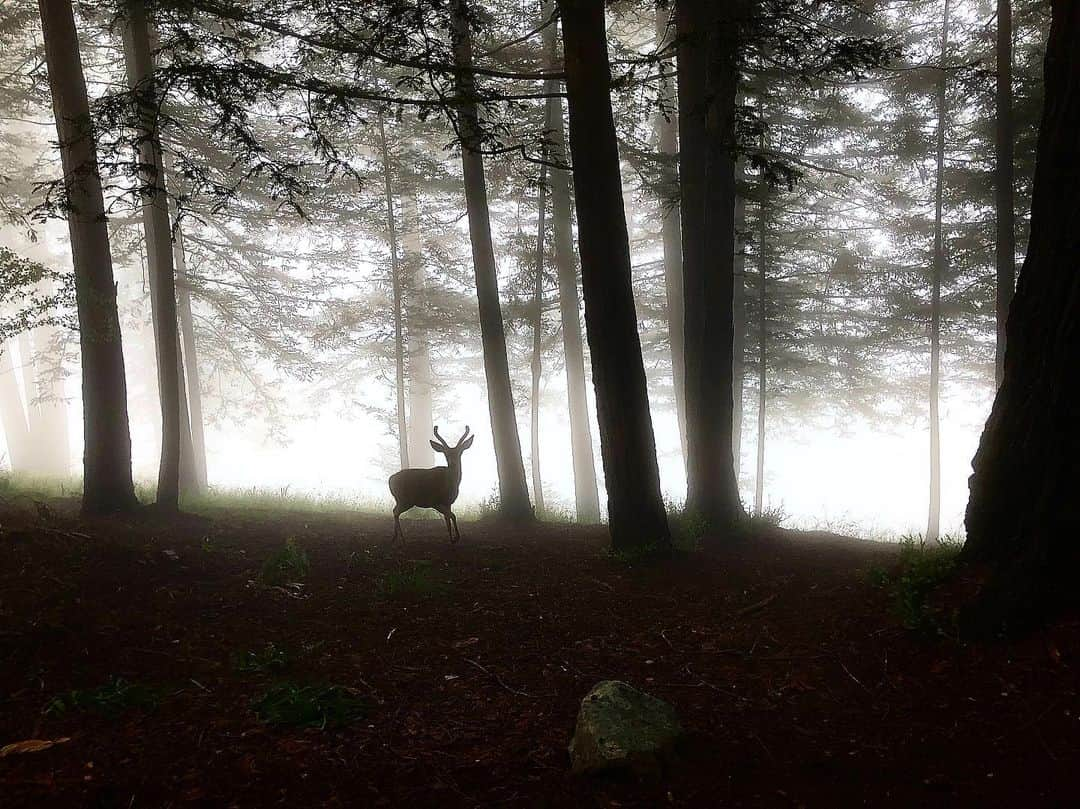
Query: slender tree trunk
x=158, y=237
x=513, y=490
x=12, y=415
x=671, y=221
x=537, y=344
x=1023, y=516
x=586, y=496
x=46, y=415
x=192, y=379
x=759, y=479
x=395, y=277
x=420, y=376
x=107, y=484
x=933, y=523
x=708, y=85
x=738, y=324
x=636, y=514
x=1003, y=182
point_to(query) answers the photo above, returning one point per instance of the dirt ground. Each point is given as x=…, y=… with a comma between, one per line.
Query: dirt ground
x=796, y=682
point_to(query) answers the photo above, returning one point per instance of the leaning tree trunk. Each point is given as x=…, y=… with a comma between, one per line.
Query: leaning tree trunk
x=708, y=85
x=671, y=222
x=192, y=379
x=513, y=491
x=586, y=496
x=1003, y=182
x=933, y=524
x=107, y=484
x=395, y=283
x=158, y=237
x=537, y=342
x=636, y=514
x=420, y=376
x=1023, y=516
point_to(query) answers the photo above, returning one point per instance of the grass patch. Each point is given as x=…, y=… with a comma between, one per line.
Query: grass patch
x=268, y=659
x=111, y=700
x=688, y=529
x=289, y=564
x=415, y=579
x=921, y=570
x=319, y=706
x=770, y=517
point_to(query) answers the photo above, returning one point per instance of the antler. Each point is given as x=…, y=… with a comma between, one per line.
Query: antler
x=464, y=435
x=441, y=439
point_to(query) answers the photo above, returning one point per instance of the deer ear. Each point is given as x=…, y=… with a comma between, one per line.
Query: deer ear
x=468, y=443
x=437, y=447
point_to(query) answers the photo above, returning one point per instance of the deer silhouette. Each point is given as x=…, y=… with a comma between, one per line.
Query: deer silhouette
x=435, y=488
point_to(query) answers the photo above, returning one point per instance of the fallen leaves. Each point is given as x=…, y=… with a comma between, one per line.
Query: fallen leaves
x=31, y=746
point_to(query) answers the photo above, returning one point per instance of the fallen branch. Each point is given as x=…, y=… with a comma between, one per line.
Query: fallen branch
x=757, y=605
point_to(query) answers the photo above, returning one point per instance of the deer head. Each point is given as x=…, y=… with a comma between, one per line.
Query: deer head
x=453, y=453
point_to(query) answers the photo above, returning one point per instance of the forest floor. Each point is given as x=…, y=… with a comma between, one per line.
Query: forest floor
x=148, y=648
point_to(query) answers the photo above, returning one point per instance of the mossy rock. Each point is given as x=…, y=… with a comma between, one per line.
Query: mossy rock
x=622, y=728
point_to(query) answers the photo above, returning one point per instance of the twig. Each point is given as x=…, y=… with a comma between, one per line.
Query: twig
x=497, y=679
x=757, y=605
x=857, y=681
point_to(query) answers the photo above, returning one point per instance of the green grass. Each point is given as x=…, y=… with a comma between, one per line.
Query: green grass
x=268, y=659
x=320, y=706
x=688, y=528
x=290, y=564
x=921, y=570
x=770, y=517
x=111, y=700
x=414, y=579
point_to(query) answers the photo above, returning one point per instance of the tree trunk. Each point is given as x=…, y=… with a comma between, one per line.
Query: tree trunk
x=46, y=413
x=671, y=223
x=738, y=325
x=192, y=379
x=708, y=84
x=586, y=496
x=513, y=491
x=636, y=516
x=158, y=237
x=933, y=523
x=1023, y=516
x=759, y=479
x=1003, y=182
x=395, y=278
x=420, y=375
x=107, y=484
x=537, y=343
x=13, y=415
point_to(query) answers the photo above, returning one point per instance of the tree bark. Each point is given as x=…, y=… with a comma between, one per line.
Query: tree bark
x=536, y=366
x=586, y=496
x=158, y=237
x=708, y=85
x=1023, y=516
x=513, y=490
x=395, y=279
x=192, y=379
x=107, y=483
x=1003, y=182
x=738, y=324
x=671, y=224
x=933, y=523
x=636, y=516
x=420, y=376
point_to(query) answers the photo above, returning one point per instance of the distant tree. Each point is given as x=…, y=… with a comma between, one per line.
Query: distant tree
x=1004, y=180
x=1023, y=515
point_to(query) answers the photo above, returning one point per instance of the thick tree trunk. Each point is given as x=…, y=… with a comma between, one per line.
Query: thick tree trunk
x=396, y=285
x=420, y=376
x=708, y=84
x=759, y=478
x=671, y=222
x=107, y=484
x=513, y=491
x=933, y=523
x=1023, y=516
x=536, y=366
x=586, y=496
x=192, y=379
x=1003, y=182
x=636, y=514
x=13, y=415
x=158, y=237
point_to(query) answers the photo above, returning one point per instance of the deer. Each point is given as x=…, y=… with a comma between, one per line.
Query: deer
x=435, y=488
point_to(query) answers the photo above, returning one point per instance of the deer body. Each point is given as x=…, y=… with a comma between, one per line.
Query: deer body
x=435, y=488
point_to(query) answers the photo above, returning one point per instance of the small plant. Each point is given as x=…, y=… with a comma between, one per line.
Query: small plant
x=688, y=528
x=770, y=517
x=269, y=659
x=489, y=506
x=414, y=579
x=289, y=564
x=110, y=700
x=309, y=706
x=921, y=570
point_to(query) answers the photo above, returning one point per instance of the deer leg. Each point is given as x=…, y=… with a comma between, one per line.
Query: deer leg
x=457, y=533
x=446, y=516
x=397, y=523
